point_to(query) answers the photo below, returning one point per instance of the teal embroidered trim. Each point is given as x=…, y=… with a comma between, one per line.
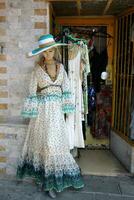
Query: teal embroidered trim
x=66, y=95
x=68, y=108
x=43, y=98
x=32, y=99
x=31, y=114
x=49, y=97
x=51, y=181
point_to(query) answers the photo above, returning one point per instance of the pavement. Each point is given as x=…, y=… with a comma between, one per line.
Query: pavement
x=96, y=188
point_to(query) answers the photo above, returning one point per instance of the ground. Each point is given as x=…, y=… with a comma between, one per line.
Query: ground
x=96, y=188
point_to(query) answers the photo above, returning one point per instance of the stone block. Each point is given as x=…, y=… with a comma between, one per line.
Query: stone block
x=27, y=4
x=40, y=25
x=27, y=24
x=3, y=82
x=2, y=32
x=3, y=106
x=4, y=142
x=2, y=18
x=14, y=12
x=3, y=12
x=41, y=4
x=3, y=165
x=40, y=12
x=3, y=57
x=39, y=0
x=4, y=99
x=3, y=94
x=2, y=5
x=3, y=159
x=3, y=70
x=11, y=136
x=3, y=38
x=2, y=148
x=13, y=25
x=13, y=19
x=39, y=32
x=39, y=18
x=2, y=170
x=14, y=4
x=2, y=135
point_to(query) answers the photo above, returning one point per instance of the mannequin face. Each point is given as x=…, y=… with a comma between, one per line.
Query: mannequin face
x=49, y=54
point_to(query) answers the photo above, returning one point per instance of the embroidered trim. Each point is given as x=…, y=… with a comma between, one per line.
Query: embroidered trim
x=31, y=114
x=49, y=97
x=56, y=181
x=68, y=108
x=66, y=95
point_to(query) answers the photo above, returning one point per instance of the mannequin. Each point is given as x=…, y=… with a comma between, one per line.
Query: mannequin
x=46, y=154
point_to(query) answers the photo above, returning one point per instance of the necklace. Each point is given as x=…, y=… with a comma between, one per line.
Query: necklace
x=50, y=64
x=53, y=78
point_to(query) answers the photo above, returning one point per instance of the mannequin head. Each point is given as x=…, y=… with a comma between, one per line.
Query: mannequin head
x=49, y=54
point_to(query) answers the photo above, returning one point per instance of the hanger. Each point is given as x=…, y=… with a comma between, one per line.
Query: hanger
x=76, y=40
x=103, y=34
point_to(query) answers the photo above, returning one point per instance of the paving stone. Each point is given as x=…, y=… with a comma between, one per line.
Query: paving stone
x=75, y=195
x=101, y=185
x=12, y=189
x=102, y=197
x=127, y=188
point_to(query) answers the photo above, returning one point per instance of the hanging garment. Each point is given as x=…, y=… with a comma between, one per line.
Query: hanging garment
x=85, y=72
x=74, y=120
x=102, y=123
x=46, y=154
x=98, y=62
x=91, y=105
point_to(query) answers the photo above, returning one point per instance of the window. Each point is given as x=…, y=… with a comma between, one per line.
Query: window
x=124, y=77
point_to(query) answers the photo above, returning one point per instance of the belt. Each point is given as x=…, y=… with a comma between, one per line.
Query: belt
x=40, y=89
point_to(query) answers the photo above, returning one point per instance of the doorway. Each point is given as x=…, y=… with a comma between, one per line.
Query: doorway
x=96, y=158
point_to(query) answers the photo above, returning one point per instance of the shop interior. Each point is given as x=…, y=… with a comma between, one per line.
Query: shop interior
x=93, y=23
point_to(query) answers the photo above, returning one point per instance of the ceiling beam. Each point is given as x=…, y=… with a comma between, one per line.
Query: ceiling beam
x=59, y=0
x=78, y=6
x=109, y=2
x=69, y=0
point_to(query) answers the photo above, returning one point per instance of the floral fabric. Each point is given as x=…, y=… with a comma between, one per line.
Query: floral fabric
x=46, y=154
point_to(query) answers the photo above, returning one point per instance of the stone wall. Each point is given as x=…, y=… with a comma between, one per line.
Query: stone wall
x=123, y=151
x=21, y=23
x=11, y=142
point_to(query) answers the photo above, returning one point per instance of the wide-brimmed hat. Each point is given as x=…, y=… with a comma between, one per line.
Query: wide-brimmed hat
x=45, y=42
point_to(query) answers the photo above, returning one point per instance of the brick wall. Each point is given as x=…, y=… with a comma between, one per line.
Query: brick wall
x=21, y=23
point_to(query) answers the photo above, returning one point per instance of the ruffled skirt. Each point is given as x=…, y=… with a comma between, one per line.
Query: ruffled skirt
x=46, y=154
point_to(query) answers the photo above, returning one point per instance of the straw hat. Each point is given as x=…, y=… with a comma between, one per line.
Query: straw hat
x=45, y=42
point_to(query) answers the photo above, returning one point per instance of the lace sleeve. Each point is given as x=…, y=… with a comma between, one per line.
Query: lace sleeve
x=30, y=106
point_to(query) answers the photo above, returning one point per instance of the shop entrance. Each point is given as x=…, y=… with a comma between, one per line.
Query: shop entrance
x=96, y=158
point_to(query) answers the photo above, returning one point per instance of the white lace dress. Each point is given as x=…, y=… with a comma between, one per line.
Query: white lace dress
x=74, y=120
x=46, y=154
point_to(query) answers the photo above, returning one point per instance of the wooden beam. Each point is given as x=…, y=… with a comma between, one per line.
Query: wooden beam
x=69, y=0
x=52, y=9
x=109, y=2
x=78, y=6
x=59, y=0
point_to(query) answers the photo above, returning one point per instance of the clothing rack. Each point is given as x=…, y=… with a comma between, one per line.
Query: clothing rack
x=65, y=37
x=90, y=32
